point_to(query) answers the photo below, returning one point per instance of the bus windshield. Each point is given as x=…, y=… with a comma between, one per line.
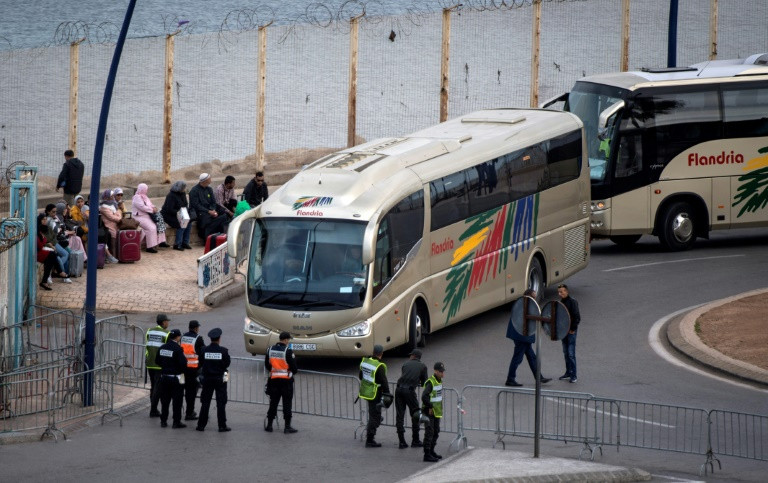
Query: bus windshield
x=307, y=264
x=587, y=101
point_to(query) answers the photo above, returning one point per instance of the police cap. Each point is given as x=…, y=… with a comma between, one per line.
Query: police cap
x=174, y=333
x=194, y=324
x=439, y=366
x=214, y=333
x=162, y=318
x=415, y=353
x=285, y=335
x=378, y=349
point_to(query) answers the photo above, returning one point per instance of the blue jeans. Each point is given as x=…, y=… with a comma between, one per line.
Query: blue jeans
x=62, y=256
x=182, y=235
x=522, y=349
x=569, y=352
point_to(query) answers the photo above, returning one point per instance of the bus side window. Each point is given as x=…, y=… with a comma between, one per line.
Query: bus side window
x=745, y=110
x=399, y=231
x=630, y=159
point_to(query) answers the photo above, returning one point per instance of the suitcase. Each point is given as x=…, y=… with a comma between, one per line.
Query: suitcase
x=214, y=240
x=128, y=246
x=76, y=263
x=101, y=256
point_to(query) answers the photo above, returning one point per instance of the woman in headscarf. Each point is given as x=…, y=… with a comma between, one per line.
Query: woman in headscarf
x=46, y=253
x=69, y=228
x=175, y=200
x=54, y=233
x=110, y=217
x=142, y=209
x=78, y=216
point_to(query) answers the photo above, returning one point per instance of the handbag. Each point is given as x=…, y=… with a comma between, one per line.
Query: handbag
x=154, y=217
x=127, y=224
x=183, y=216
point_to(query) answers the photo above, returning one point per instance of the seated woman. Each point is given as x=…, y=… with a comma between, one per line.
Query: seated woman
x=110, y=217
x=118, y=194
x=57, y=239
x=77, y=216
x=46, y=254
x=142, y=211
x=175, y=200
x=68, y=227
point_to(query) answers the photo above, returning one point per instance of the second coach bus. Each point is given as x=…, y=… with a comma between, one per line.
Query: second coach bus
x=676, y=152
x=388, y=241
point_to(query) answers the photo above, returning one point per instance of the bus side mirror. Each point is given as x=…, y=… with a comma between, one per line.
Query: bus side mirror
x=369, y=242
x=608, y=113
x=559, y=98
x=235, y=234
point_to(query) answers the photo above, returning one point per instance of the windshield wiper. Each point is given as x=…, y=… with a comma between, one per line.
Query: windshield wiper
x=319, y=303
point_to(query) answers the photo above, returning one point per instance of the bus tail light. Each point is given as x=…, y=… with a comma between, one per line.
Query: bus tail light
x=254, y=328
x=360, y=329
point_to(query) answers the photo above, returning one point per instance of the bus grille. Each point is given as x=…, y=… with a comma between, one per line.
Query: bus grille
x=575, y=243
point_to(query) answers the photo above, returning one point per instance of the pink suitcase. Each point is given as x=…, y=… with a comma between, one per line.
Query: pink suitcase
x=128, y=246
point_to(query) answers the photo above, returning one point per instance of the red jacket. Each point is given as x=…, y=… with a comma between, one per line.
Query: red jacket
x=42, y=254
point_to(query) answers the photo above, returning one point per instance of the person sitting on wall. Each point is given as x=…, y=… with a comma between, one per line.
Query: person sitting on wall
x=256, y=190
x=149, y=218
x=175, y=200
x=225, y=196
x=210, y=218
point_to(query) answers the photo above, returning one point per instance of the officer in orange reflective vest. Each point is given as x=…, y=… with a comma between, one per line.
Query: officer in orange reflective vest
x=192, y=344
x=281, y=364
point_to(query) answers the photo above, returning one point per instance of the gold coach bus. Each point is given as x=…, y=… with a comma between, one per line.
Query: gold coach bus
x=388, y=241
x=676, y=152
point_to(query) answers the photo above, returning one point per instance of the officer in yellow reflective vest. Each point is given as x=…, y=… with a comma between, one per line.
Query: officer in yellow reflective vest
x=192, y=344
x=156, y=336
x=373, y=382
x=432, y=404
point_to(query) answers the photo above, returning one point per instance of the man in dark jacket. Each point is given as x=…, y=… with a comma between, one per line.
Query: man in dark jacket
x=71, y=177
x=172, y=364
x=256, y=191
x=281, y=364
x=215, y=361
x=414, y=374
x=210, y=219
x=569, y=343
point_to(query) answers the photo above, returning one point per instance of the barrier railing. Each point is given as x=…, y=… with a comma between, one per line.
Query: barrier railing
x=127, y=358
x=24, y=404
x=246, y=381
x=49, y=333
x=742, y=435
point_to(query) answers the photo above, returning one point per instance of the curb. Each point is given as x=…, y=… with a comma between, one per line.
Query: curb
x=499, y=465
x=681, y=334
x=218, y=297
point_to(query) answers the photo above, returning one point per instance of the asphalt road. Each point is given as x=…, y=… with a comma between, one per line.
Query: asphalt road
x=622, y=294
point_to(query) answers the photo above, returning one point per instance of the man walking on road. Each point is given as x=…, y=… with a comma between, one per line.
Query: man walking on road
x=523, y=348
x=156, y=337
x=569, y=342
x=414, y=374
x=373, y=383
x=172, y=363
x=192, y=345
x=281, y=364
x=215, y=361
x=71, y=177
x=432, y=406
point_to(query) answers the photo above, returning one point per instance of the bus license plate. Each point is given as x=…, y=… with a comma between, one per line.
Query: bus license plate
x=304, y=347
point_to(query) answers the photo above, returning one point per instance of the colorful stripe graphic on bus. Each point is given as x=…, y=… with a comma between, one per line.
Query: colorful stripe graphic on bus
x=486, y=244
x=753, y=192
x=312, y=201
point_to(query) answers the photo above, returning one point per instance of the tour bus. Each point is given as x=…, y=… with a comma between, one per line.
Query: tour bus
x=676, y=152
x=388, y=241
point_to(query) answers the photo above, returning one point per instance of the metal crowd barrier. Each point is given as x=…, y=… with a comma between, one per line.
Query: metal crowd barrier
x=53, y=333
x=742, y=435
x=24, y=404
x=246, y=381
x=128, y=360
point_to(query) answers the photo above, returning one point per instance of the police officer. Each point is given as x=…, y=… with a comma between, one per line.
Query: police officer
x=215, y=361
x=172, y=363
x=414, y=373
x=192, y=344
x=281, y=364
x=432, y=404
x=156, y=336
x=373, y=382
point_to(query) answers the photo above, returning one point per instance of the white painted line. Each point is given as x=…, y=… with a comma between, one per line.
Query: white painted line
x=625, y=418
x=670, y=261
x=654, y=336
x=675, y=478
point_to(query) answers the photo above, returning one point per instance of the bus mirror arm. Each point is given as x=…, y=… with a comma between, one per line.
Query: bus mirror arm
x=561, y=97
x=234, y=233
x=608, y=113
x=369, y=242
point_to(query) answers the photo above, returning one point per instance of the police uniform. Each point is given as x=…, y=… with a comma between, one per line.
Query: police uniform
x=172, y=363
x=432, y=406
x=214, y=361
x=414, y=374
x=373, y=382
x=192, y=344
x=281, y=364
x=156, y=336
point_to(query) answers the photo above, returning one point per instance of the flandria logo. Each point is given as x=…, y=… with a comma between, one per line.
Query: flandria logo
x=312, y=201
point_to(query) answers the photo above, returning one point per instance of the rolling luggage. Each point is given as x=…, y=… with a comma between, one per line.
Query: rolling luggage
x=128, y=246
x=76, y=263
x=214, y=240
x=101, y=257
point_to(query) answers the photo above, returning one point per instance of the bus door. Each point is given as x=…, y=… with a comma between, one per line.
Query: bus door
x=720, y=213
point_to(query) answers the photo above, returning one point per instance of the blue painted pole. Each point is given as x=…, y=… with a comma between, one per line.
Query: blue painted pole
x=672, y=35
x=93, y=219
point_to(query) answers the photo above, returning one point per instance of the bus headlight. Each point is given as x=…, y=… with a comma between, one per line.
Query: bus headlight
x=254, y=328
x=358, y=330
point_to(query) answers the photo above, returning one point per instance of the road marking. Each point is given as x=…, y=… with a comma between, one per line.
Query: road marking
x=654, y=337
x=610, y=414
x=675, y=478
x=670, y=261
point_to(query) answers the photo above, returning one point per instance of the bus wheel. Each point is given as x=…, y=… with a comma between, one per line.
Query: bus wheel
x=677, y=230
x=625, y=240
x=536, y=278
x=415, y=330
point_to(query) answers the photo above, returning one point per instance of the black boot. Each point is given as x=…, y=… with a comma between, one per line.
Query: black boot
x=416, y=442
x=370, y=442
x=268, y=427
x=429, y=458
x=402, y=444
x=435, y=455
x=288, y=429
